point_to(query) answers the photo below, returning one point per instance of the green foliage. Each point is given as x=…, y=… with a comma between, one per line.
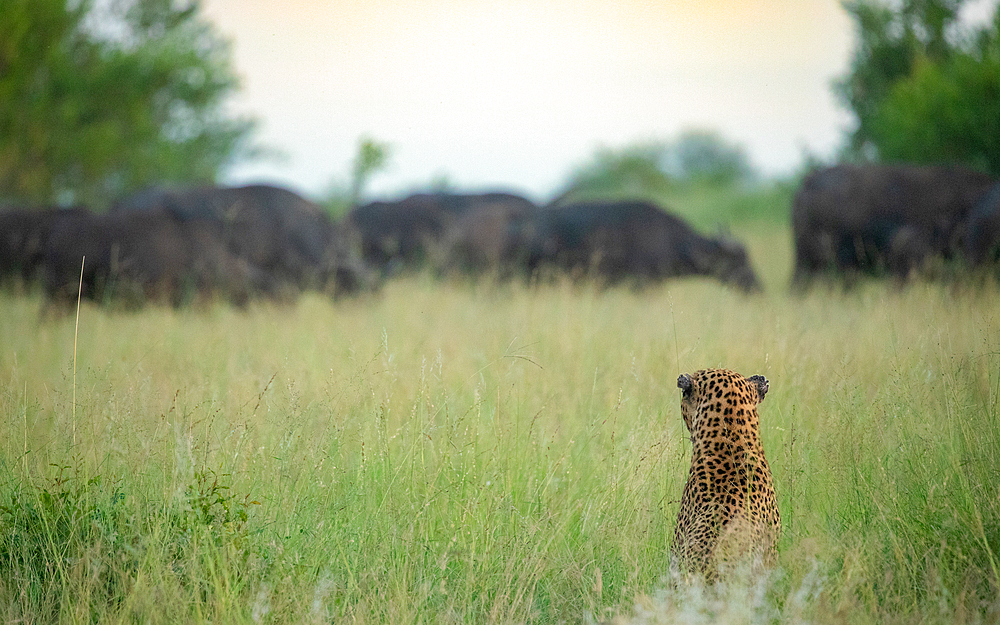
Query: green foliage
x=705, y=156
x=634, y=170
x=336, y=201
x=650, y=170
x=210, y=503
x=922, y=88
x=944, y=112
x=97, y=99
x=707, y=201
x=73, y=525
x=707, y=206
x=372, y=157
x=50, y=532
x=890, y=38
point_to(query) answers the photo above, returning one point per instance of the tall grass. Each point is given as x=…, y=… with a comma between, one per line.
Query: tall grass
x=456, y=453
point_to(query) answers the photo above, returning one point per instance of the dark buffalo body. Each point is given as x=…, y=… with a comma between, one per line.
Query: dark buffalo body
x=982, y=240
x=876, y=219
x=271, y=228
x=23, y=234
x=409, y=233
x=635, y=240
x=493, y=238
x=133, y=257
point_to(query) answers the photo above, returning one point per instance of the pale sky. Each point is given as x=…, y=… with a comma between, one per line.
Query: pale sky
x=513, y=93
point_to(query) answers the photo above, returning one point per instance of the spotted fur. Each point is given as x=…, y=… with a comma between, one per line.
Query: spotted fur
x=728, y=509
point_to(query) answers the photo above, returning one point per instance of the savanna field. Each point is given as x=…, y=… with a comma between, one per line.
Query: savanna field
x=475, y=453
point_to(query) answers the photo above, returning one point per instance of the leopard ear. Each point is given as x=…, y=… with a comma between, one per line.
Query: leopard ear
x=684, y=383
x=761, y=384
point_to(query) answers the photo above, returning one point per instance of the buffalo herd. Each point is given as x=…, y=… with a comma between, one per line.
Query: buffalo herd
x=505, y=235
x=893, y=220
x=185, y=245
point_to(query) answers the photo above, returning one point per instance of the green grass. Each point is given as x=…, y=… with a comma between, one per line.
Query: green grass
x=453, y=453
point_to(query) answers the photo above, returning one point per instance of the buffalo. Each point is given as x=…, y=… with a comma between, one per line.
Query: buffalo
x=270, y=228
x=23, y=234
x=881, y=219
x=492, y=238
x=634, y=241
x=423, y=228
x=136, y=257
x=982, y=239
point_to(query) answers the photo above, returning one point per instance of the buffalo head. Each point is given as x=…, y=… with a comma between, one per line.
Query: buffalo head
x=727, y=259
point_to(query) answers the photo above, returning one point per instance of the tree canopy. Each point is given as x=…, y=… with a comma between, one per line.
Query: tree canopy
x=924, y=86
x=100, y=98
x=693, y=157
x=372, y=157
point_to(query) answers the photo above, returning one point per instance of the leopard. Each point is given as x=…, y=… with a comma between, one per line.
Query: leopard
x=728, y=511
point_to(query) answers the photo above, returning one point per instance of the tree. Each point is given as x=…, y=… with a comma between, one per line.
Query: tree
x=705, y=156
x=342, y=195
x=947, y=112
x=632, y=170
x=922, y=85
x=101, y=98
x=649, y=169
x=371, y=158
